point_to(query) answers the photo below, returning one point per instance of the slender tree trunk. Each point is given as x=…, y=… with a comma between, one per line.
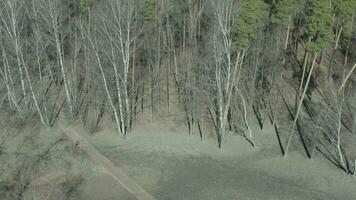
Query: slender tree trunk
x=96, y=54
x=21, y=74
x=133, y=85
x=176, y=74
x=338, y=38
x=347, y=51
x=300, y=90
x=158, y=60
x=34, y=96
x=15, y=37
x=338, y=137
x=118, y=87
x=6, y=74
x=42, y=91
x=231, y=83
x=168, y=69
x=347, y=78
x=245, y=118
x=300, y=106
x=286, y=40
x=151, y=90
x=59, y=52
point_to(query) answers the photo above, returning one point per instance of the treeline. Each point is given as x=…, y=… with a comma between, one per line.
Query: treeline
x=228, y=59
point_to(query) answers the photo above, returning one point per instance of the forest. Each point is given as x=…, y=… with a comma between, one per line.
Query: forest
x=226, y=67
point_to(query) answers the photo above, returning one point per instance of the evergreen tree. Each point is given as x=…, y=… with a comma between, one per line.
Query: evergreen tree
x=318, y=29
x=247, y=22
x=81, y=5
x=283, y=12
x=345, y=10
x=150, y=9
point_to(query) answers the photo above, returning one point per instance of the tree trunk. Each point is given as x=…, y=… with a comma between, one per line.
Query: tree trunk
x=245, y=118
x=96, y=54
x=286, y=40
x=34, y=96
x=300, y=90
x=338, y=38
x=119, y=96
x=347, y=51
x=347, y=78
x=338, y=137
x=60, y=58
x=299, y=107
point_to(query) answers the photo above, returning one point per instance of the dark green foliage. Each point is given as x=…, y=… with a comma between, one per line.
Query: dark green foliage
x=284, y=11
x=345, y=9
x=82, y=5
x=247, y=22
x=318, y=28
x=150, y=9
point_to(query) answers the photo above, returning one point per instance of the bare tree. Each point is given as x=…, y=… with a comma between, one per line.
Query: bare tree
x=296, y=117
x=93, y=40
x=7, y=78
x=111, y=40
x=13, y=23
x=53, y=17
x=227, y=64
x=10, y=24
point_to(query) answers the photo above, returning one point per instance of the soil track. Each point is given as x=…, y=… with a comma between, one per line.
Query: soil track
x=116, y=173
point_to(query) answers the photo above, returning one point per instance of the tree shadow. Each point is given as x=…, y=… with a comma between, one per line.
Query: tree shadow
x=279, y=139
x=330, y=157
x=258, y=116
x=298, y=126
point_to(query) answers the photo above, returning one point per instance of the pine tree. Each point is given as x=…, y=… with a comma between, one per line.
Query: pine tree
x=283, y=12
x=150, y=9
x=81, y=5
x=345, y=10
x=85, y=4
x=318, y=29
x=246, y=24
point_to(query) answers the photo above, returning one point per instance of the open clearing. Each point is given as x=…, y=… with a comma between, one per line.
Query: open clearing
x=171, y=166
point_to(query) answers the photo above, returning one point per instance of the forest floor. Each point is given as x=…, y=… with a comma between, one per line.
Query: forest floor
x=159, y=156
x=171, y=165
x=115, y=172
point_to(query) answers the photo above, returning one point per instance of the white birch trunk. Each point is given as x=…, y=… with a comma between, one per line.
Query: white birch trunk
x=300, y=106
x=54, y=17
x=106, y=86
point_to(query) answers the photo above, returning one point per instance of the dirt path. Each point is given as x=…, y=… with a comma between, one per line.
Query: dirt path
x=116, y=173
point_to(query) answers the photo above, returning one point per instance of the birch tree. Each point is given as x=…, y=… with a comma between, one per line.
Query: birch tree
x=92, y=35
x=10, y=17
x=8, y=82
x=190, y=62
x=230, y=43
x=319, y=35
x=53, y=17
x=115, y=41
x=14, y=24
